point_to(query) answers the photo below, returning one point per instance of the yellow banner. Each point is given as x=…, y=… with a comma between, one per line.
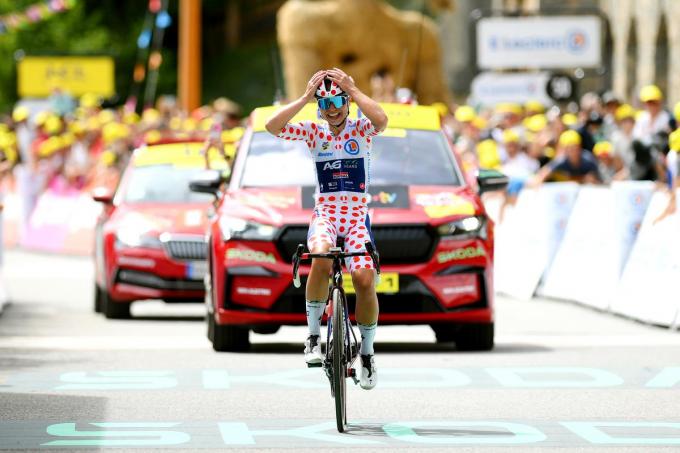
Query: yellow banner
x=38, y=76
x=400, y=116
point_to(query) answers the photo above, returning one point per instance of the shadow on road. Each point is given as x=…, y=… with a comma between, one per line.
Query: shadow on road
x=400, y=348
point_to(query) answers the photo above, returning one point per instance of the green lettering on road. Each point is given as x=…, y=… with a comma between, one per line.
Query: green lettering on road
x=156, y=438
x=668, y=377
x=454, y=433
x=513, y=377
x=118, y=380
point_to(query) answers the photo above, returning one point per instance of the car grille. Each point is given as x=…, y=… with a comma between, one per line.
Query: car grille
x=395, y=243
x=186, y=249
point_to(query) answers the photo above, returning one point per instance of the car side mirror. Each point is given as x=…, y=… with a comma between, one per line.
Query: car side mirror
x=102, y=195
x=209, y=181
x=491, y=180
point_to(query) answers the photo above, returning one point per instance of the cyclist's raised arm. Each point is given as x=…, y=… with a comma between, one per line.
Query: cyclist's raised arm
x=368, y=106
x=281, y=117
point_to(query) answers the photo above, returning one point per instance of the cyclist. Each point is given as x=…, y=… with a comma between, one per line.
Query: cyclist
x=341, y=149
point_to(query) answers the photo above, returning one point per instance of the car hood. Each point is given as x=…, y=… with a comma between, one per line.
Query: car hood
x=389, y=205
x=170, y=218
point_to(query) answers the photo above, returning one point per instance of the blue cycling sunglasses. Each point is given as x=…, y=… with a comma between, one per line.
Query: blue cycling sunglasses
x=337, y=101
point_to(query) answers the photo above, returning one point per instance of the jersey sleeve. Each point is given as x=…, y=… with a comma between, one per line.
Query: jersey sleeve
x=298, y=131
x=365, y=127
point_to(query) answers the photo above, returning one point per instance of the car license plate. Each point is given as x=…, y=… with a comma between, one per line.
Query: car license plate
x=389, y=283
x=196, y=270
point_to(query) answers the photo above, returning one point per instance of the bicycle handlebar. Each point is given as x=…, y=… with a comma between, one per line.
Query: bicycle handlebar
x=300, y=255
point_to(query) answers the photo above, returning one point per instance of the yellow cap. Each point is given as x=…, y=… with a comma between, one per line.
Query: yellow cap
x=569, y=138
x=150, y=115
x=442, y=109
x=53, y=124
x=68, y=138
x=131, y=118
x=676, y=111
x=509, y=107
x=534, y=106
x=674, y=140
x=650, y=93
x=92, y=124
x=569, y=119
x=625, y=111
x=108, y=158
x=50, y=146
x=510, y=136
x=487, y=153
x=175, y=123
x=602, y=148
x=20, y=113
x=114, y=131
x=41, y=117
x=152, y=137
x=465, y=113
x=89, y=100
x=479, y=122
x=189, y=125
x=549, y=152
x=106, y=116
x=536, y=123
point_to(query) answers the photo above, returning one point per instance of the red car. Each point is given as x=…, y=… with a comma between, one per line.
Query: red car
x=150, y=237
x=430, y=227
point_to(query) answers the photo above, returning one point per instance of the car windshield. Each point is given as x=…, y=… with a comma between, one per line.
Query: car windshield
x=402, y=157
x=162, y=184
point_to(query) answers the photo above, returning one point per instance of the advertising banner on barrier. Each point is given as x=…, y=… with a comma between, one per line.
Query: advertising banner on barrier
x=63, y=222
x=648, y=290
x=528, y=237
x=600, y=233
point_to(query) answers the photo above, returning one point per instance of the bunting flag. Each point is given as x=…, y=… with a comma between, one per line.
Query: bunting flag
x=37, y=12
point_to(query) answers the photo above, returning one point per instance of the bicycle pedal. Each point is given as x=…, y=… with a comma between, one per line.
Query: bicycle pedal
x=314, y=365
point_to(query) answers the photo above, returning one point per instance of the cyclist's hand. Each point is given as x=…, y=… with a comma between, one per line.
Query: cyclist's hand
x=313, y=84
x=342, y=79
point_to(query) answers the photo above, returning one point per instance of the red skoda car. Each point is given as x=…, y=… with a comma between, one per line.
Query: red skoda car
x=430, y=227
x=150, y=238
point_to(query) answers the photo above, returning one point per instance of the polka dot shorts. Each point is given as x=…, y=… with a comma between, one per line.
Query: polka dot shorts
x=330, y=221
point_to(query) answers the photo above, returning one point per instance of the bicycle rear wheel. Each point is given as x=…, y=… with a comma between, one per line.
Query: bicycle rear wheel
x=339, y=360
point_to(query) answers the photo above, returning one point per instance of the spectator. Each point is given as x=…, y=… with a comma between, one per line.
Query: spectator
x=654, y=118
x=622, y=136
x=574, y=164
x=609, y=165
x=519, y=166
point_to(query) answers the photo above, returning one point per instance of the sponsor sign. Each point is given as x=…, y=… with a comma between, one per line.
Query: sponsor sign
x=38, y=76
x=460, y=254
x=539, y=42
x=384, y=197
x=250, y=255
x=388, y=283
x=444, y=204
x=490, y=88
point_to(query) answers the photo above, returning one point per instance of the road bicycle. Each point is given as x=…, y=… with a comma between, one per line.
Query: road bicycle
x=342, y=346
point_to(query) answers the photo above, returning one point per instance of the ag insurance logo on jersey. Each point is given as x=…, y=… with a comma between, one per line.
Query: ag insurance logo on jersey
x=341, y=175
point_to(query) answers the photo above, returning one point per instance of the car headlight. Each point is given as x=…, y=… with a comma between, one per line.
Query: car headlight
x=234, y=228
x=465, y=228
x=134, y=238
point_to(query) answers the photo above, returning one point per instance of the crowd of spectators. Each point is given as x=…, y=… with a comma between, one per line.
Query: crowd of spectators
x=80, y=145
x=601, y=141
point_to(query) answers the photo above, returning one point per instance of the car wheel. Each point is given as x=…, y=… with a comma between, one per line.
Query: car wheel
x=230, y=338
x=210, y=321
x=113, y=309
x=445, y=333
x=475, y=337
x=98, y=299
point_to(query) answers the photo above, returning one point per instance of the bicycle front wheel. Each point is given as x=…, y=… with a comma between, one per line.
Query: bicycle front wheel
x=339, y=359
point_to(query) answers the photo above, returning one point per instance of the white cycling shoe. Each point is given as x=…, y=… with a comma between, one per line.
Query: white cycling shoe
x=313, y=355
x=369, y=373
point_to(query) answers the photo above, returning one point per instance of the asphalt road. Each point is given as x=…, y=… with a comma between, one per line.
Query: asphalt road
x=561, y=377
